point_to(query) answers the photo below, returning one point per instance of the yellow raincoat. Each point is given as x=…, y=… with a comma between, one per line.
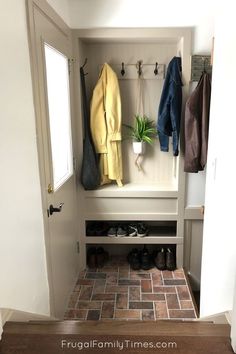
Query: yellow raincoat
x=105, y=122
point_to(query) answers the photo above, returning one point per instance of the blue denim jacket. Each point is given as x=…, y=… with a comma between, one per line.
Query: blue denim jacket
x=169, y=113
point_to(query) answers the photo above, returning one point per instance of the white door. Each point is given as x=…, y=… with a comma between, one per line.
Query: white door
x=233, y=323
x=51, y=53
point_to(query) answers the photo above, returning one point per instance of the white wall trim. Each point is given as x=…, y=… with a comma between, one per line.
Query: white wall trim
x=194, y=213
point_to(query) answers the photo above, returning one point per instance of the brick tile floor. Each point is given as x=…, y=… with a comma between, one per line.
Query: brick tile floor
x=116, y=292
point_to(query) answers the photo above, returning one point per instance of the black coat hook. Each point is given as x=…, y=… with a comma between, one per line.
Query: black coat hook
x=205, y=63
x=156, y=69
x=139, y=67
x=122, y=69
x=85, y=62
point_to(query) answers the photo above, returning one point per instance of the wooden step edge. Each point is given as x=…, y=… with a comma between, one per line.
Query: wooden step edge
x=163, y=328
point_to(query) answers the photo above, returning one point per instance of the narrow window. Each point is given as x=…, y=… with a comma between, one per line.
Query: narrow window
x=58, y=92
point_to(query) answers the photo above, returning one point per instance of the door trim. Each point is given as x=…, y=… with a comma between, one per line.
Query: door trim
x=44, y=8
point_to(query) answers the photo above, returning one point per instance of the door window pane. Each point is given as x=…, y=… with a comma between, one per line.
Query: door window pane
x=59, y=115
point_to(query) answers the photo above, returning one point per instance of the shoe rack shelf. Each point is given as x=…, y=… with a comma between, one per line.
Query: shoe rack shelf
x=154, y=240
x=159, y=232
x=132, y=189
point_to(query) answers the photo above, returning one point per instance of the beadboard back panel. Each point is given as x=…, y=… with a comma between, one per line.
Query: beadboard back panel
x=157, y=167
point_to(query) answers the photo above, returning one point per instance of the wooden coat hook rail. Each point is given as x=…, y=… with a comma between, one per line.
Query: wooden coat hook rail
x=140, y=70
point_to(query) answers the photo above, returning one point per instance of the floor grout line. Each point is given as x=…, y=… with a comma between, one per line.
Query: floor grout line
x=128, y=294
x=177, y=294
x=167, y=309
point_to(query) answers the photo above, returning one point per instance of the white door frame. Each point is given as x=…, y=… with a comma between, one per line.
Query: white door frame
x=233, y=322
x=44, y=8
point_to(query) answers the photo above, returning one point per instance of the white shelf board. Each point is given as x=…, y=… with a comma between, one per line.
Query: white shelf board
x=138, y=190
x=131, y=216
x=133, y=240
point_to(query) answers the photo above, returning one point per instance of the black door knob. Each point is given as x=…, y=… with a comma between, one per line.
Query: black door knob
x=52, y=210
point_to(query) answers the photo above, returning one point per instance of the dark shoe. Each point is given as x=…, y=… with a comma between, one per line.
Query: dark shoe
x=132, y=230
x=121, y=231
x=106, y=256
x=101, y=229
x=92, y=258
x=134, y=259
x=142, y=230
x=160, y=260
x=146, y=259
x=112, y=232
x=91, y=229
x=133, y=251
x=170, y=260
x=100, y=257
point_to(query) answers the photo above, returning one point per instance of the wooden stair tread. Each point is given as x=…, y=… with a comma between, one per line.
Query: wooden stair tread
x=177, y=328
x=47, y=337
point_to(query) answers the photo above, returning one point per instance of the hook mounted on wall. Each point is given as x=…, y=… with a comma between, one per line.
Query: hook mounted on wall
x=200, y=64
x=205, y=63
x=156, y=69
x=85, y=62
x=139, y=67
x=122, y=69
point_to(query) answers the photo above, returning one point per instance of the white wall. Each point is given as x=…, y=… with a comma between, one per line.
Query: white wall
x=219, y=241
x=23, y=275
x=62, y=8
x=136, y=13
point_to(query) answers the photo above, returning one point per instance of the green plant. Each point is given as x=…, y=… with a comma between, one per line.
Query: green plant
x=143, y=129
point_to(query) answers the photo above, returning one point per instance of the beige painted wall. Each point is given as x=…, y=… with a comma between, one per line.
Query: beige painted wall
x=62, y=8
x=23, y=275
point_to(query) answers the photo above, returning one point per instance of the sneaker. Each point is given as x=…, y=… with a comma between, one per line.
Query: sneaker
x=112, y=231
x=132, y=230
x=121, y=231
x=142, y=230
x=101, y=229
x=146, y=259
x=170, y=260
x=134, y=259
x=96, y=229
x=160, y=260
x=91, y=229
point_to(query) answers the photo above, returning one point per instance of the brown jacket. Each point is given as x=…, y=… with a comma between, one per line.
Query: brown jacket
x=196, y=125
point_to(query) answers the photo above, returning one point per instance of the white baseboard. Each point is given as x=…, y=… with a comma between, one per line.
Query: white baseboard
x=219, y=318
x=195, y=283
x=22, y=316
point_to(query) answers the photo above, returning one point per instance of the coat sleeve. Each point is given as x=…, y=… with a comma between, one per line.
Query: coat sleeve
x=175, y=114
x=113, y=106
x=97, y=117
x=196, y=126
x=192, y=138
x=206, y=97
x=113, y=121
x=164, y=120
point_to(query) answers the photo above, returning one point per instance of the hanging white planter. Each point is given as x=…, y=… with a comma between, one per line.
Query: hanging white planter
x=139, y=147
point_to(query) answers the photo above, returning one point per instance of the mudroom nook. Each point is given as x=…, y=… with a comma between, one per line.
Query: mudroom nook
x=157, y=192
x=152, y=195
